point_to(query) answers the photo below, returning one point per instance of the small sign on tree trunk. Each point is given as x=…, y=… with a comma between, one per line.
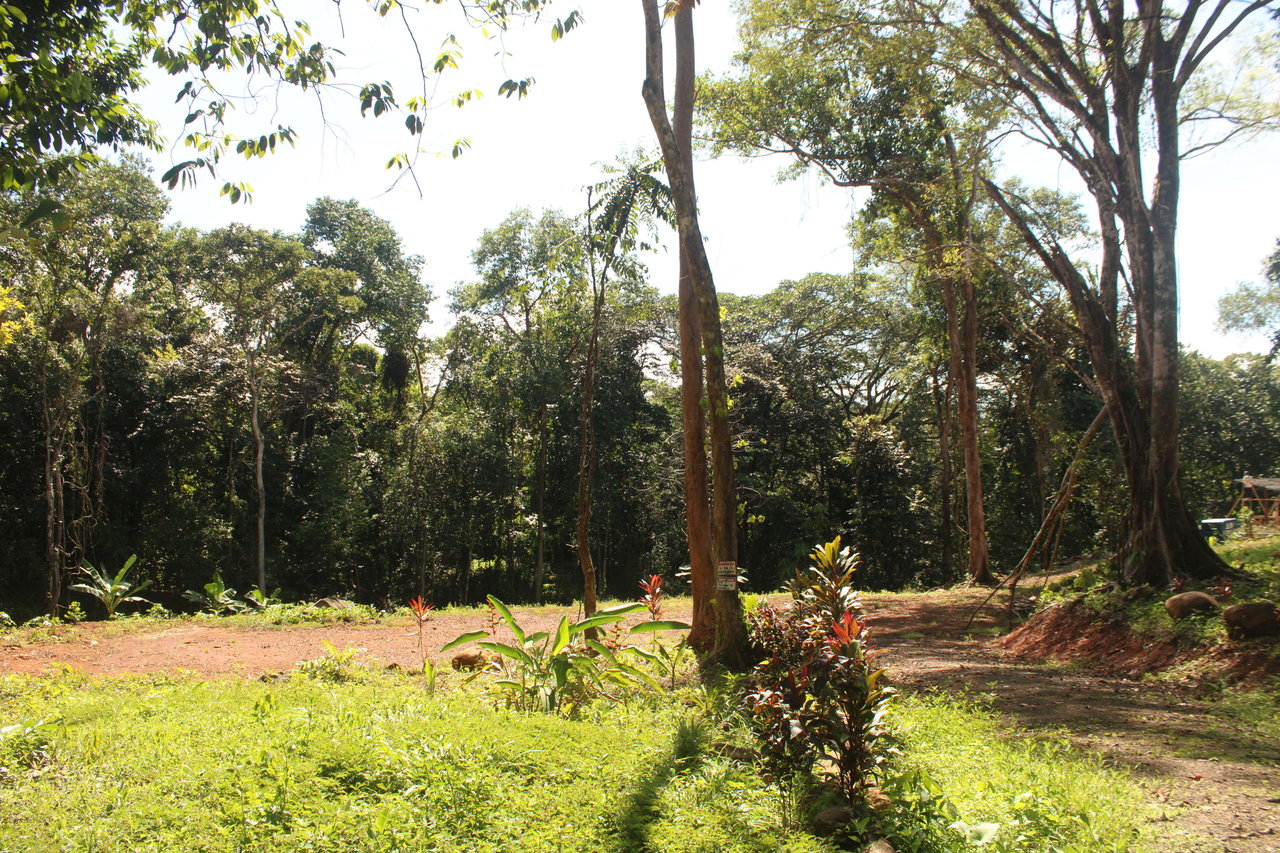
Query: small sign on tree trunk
x=727, y=576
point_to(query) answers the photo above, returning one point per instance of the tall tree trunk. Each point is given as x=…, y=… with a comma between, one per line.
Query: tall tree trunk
x=677, y=158
x=696, y=482
x=962, y=333
x=540, y=501
x=587, y=451
x=55, y=529
x=259, y=444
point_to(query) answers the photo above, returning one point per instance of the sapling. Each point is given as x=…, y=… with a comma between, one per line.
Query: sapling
x=421, y=614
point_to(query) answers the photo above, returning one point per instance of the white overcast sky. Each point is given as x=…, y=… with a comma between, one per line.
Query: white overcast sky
x=585, y=109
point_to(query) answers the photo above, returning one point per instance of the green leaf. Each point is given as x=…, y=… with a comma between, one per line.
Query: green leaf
x=640, y=674
x=602, y=650
x=646, y=654
x=44, y=210
x=509, y=652
x=620, y=610
x=463, y=638
x=653, y=627
x=505, y=612
x=595, y=622
x=562, y=636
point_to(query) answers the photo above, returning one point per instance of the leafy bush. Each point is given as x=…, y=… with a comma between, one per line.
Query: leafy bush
x=335, y=665
x=818, y=695
x=551, y=672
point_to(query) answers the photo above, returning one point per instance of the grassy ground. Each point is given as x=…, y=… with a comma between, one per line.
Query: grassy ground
x=376, y=764
x=1026, y=792
x=306, y=764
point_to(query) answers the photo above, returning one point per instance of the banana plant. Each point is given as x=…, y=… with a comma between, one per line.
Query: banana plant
x=112, y=591
x=546, y=670
x=217, y=597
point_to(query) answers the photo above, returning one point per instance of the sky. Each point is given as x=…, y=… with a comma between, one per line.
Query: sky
x=585, y=110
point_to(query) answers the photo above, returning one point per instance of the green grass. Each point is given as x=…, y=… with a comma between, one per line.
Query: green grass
x=153, y=764
x=374, y=764
x=960, y=762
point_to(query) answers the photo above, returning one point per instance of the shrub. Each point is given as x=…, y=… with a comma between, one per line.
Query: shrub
x=818, y=695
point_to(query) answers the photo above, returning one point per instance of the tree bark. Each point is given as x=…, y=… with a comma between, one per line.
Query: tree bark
x=696, y=480
x=540, y=565
x=962, y=336
x=586, y=428
x=942, y=404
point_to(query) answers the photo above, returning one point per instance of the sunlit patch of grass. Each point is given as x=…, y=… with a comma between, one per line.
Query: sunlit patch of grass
x=1037, y=791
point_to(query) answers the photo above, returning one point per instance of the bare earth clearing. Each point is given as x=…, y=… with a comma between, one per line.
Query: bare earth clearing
x=1216, y=788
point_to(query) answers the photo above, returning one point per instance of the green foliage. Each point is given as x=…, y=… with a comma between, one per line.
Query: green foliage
x=334, y=665
x=1255, y=307
x=1226, y=407
x=70, y=73
x=825, y=587
x=257, y=598
x=74, y=613
x=25, y=748
x=112, y=591
x=962, y=776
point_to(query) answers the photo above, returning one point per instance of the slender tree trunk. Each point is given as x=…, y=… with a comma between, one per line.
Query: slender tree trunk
x=54, y=524
x=696, y=484
x=587, y=451
x=962, y=334
x=540, y=565
x=979, y=551
x=259, y=444
x=942, y=404
x=724, y=503
x=677, y=158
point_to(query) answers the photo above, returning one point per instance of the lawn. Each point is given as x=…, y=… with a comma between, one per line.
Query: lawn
x=374, y=763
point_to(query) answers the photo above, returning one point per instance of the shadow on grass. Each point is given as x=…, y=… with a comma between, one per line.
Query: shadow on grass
x=688, y=752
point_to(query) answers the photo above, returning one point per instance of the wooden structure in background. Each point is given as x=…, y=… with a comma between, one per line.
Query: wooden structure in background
x=1261, y=495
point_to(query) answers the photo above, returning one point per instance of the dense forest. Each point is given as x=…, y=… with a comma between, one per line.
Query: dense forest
x=267, y=406
x=996, y=384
